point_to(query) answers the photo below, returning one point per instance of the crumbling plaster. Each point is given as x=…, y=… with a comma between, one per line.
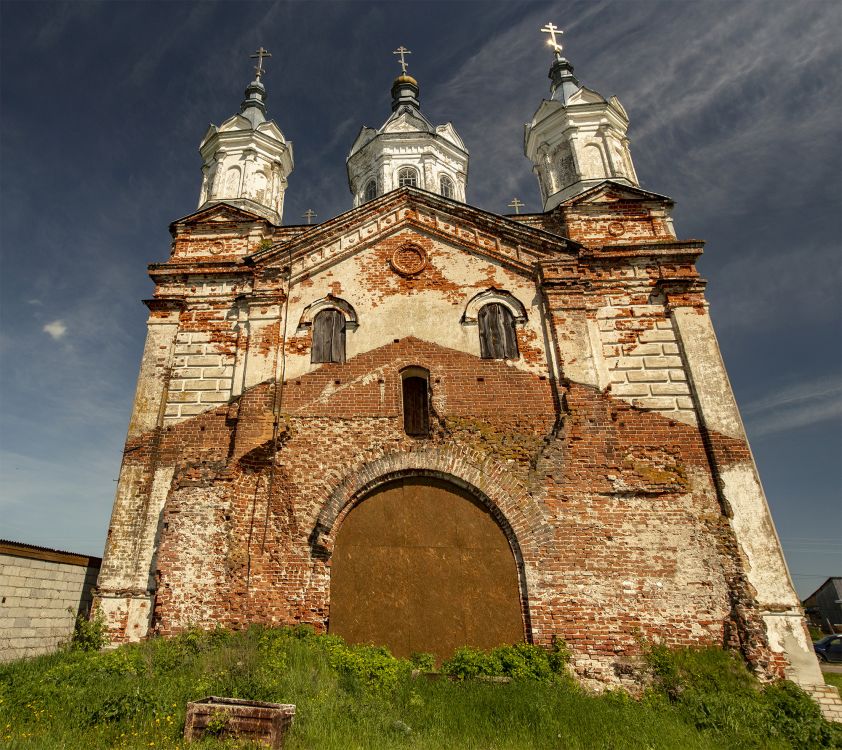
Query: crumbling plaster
x=634, y=513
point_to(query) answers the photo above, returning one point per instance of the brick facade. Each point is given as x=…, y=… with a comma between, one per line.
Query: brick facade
x=610, y=451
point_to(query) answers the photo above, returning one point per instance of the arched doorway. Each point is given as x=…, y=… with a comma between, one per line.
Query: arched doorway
x=422, y=565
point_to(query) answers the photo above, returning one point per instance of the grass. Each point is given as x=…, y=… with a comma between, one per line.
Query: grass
x=833, y=678
x=351, y=698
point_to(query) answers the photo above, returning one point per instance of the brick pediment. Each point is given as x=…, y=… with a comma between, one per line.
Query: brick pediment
x=478, y=232
x=218, y=214
x=613, y=192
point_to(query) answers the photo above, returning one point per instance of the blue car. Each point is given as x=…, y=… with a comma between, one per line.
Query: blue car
x=829, y=648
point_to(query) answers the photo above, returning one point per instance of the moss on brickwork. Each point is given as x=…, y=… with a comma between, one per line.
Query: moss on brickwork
x=505, y=442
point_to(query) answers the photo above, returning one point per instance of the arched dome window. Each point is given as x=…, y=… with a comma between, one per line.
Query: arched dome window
x=370, y=190
x=497, y=339
x=446, y=186
x=407, y=177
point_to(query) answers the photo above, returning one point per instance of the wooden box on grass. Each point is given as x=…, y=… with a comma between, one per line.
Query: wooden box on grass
x=231, y=717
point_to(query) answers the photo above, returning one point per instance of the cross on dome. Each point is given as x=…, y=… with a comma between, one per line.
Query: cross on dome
x=402, y=51
x=516, y=204
x=552, y=30
x=260, y=54
x=309, y=214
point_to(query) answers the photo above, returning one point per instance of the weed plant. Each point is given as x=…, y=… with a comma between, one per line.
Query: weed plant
x=361, y=698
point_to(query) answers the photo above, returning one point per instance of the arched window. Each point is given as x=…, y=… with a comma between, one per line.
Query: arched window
x=232, y=182
x=328, y=337
x=416, y=401
x=407, y=177
x=446, y=187
x=497, y=339
x=370, y=190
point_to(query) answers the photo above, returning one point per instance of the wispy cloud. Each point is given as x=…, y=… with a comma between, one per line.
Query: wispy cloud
x=795, y=406
x=57, y=329
x=707, y=120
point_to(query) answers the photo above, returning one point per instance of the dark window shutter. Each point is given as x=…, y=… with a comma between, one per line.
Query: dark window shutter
x=416, y=409
x=497, y=339
x=510, y=337
x=328, y=337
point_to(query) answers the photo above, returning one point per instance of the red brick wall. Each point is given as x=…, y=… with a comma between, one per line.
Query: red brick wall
x=613, y=512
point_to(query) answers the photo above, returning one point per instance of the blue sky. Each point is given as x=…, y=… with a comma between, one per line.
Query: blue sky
x=735, y=112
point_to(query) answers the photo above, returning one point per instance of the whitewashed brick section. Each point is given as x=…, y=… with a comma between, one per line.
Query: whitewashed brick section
x=201, y=377
x=642, y=357
x=35, y=596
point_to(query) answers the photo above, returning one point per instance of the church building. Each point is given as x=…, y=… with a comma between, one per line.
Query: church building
x=426, y=425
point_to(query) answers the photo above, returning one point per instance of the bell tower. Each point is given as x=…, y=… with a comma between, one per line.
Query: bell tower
x=247, y=159
x=576, y=138
x=407, y=150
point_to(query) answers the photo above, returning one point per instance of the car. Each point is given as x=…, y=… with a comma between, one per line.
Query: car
x=829, y=648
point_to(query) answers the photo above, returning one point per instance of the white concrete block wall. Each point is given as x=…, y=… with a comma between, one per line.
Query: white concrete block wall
x=35, y=596
x=201, y=377
x=647, y=371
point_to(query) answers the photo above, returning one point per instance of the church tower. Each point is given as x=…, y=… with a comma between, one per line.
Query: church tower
x=407, y=150
x=247, y=159
x=576, y=138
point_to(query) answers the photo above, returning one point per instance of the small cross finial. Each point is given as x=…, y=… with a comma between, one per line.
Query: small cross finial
x=260, y=54
x=309, y=214
x=516, y=205
x=402, y=51
x=552, y=30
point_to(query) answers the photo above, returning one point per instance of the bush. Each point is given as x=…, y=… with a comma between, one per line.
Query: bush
x=369, y=666
x=120, y=707
x=521, y=661
x=714, y=691
x=89, y=634
x=797, y=717
x=468, y=663
x=423, y=661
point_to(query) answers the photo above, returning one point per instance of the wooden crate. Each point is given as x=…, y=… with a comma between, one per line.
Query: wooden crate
x=267, y=723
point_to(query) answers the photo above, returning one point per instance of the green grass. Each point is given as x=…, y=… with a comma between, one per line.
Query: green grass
x=360, y=697
x=835, y=679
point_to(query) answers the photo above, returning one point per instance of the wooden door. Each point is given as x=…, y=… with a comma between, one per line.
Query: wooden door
x=421, y=565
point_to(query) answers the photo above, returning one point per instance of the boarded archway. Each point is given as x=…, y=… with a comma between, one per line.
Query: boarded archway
x=421, y=565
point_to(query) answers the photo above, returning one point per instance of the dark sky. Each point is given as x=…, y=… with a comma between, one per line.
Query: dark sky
x=735, y=112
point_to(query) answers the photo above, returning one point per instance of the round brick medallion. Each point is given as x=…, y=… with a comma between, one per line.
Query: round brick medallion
x=616, y=229
x=409, y=260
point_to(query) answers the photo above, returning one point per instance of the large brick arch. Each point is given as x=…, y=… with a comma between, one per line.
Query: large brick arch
x=518, y=514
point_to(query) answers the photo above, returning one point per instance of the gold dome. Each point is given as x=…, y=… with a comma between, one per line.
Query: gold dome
x=406, y=79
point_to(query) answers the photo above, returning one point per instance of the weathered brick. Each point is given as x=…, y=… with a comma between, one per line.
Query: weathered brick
x=609, y=498
x=648, y=376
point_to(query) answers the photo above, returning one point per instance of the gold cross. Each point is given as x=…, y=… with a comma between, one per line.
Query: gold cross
x=552, y=30
x=309, y=214
x=516, y=205
x=260, y=54
x=402, y=51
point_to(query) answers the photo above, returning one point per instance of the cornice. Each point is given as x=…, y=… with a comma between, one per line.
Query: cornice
x=415, y=204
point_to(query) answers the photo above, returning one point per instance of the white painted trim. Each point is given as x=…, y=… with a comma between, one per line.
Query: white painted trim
x=500, y=296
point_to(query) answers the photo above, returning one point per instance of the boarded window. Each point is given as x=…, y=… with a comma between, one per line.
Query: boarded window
x=416, y=407
x=407, y=177
x=446, y=187
x=328, y=337
x=497, y=338
x=371, y=190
